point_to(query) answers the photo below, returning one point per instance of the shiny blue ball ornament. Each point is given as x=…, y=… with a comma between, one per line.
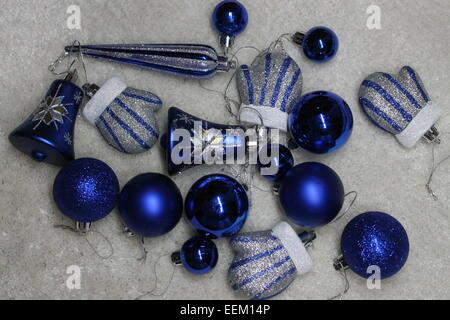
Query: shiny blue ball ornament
x=230, y=18
x=375, y=239
x=321, y=122
x=86, y=190
x=311, y=195
x=151, y=205
x=278, y=156
x=217, y=206
x=320, y=44
x=199, y=255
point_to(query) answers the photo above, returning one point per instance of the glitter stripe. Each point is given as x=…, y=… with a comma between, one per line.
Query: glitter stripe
x=416, y=81
x=261, y=273
x=284, y=68
x=128, y=129
x=248, y=240
x=403, y=90
x=388, y=98
x=289, y=89
x=369, y=105
x=251, y=99
x=112, y=134
x=136, y=117
x=275, y=282
x=266, y=78
x=146, y=99
x=256, y=257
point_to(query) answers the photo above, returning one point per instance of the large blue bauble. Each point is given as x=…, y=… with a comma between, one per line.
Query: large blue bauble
x=151, y=205
x=321, y=122
x=230, y=17
x=199, y=255
x=320, y=44
x=311, y=195
x=281, y=158
x=217, y=206
x=375, y=239
x=86, y=190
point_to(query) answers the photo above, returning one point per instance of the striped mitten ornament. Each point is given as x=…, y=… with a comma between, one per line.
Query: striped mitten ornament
x=124, y=116
x=400, y=105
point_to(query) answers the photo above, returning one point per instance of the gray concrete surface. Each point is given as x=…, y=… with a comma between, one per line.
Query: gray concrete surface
x=34, y=256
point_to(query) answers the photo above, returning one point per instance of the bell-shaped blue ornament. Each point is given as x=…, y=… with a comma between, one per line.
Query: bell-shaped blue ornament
x=198, y=256
x=47, y=135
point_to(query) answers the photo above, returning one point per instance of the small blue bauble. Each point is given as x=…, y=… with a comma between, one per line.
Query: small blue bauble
x=217, y=206
x=86, y=190
x=321, y=122
x=281, y=157
x=311, y=195
x=199, y=255
x=230, y=18
x=320, y=44
x=151, y=205
x=375, y=239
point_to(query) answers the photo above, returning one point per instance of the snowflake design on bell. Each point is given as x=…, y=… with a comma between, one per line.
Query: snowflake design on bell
x=51, y=110
x=68, y=138
x=78, y=97
x=186, y=119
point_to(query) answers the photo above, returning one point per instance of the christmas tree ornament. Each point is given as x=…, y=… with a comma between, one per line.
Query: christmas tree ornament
x=124, y=116
x=320, y=44
x=373, y=239
x=401, y=106
x=266, y=263
x=217, y=206
x=47, y=135
x=86, y=190
x=151, y=205
x=191, y=141
x=198, y=256
x=275, y=156
x=320, y=122
x=189, y=60
x=230, y=18
x=311, y=194
x=269, y=89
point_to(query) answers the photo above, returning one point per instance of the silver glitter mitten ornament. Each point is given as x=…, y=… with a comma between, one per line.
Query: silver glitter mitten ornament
x=400, y=105
x=267, y=262
x=124, y=116
x=269, y=89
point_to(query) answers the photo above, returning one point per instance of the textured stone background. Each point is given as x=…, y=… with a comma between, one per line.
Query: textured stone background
x=34, y=256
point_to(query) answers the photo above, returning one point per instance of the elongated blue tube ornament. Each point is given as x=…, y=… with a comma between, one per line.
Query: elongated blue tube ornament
x=190, y=60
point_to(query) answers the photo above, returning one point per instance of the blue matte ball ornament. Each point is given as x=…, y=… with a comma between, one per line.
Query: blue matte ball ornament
x=199, y=255
x=151, y=205
x=86, y=190
x=230, y=18
x=217, y=206
x=321, y=122
x=311, y=195
x=280, y=156
x=375, y=239
x=320, y=44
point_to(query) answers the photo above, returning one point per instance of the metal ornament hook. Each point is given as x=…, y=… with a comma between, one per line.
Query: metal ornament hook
x=70, y=64
x=341, y=266
x=435, y=166
x=349, y=206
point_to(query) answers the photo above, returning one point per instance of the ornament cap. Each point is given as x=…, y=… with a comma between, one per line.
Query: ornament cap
x=298, y=38
x=340, y=264
x=176, y=258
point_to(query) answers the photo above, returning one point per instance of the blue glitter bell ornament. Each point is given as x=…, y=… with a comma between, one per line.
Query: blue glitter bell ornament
x=124, y=116
x=267, y=262
x=86, y=190
x=373, y=240
x=198, y=256
x=151, y=205
x=48, y=134
x=320, y=122
x=217, y=206
x=320, y=44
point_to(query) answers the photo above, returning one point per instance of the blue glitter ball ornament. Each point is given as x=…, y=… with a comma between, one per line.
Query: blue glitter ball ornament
x=230, y=18
x=199, y=255
x=86, y=190
x=321, y=122
x=311, y=195
x=151, y=205
x=278, y=156
x=217, y=206
x=320, y=44
x=375, y=239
